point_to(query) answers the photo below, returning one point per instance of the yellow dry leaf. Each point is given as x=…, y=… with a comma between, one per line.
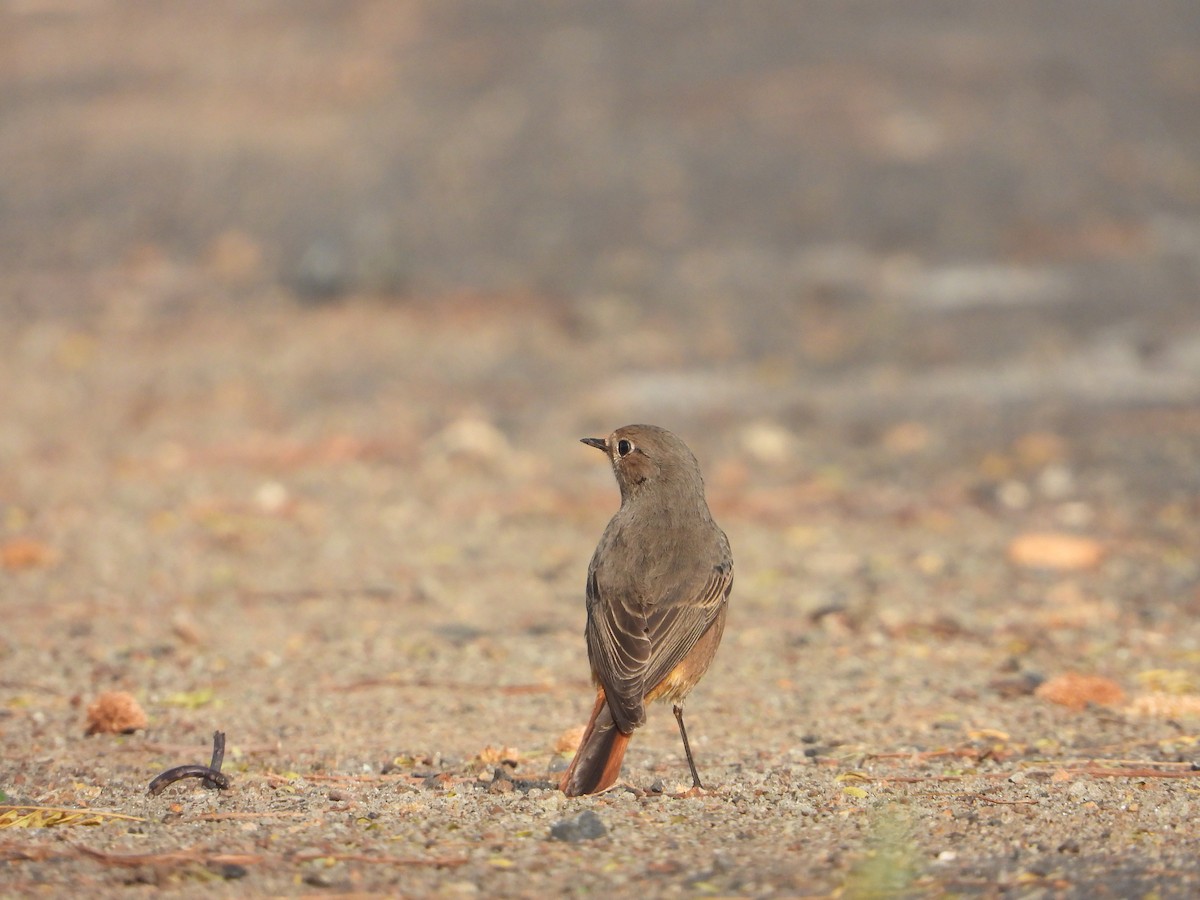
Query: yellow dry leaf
x=988, y=734
x=851, y=776
x=191, y=699
x=52, y=817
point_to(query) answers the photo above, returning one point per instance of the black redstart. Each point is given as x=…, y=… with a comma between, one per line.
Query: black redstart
x=657, y=590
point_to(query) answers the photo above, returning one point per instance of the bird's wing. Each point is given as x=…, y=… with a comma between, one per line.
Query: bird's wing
x=619, y=649
x=676, y=624
x=634, y=644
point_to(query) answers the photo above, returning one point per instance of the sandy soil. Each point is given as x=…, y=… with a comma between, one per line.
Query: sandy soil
x=272, y=486
x=255, y=523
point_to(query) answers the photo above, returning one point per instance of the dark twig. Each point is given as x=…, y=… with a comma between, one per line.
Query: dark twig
x=169, y=777
x=218, y=758
x=210, y=775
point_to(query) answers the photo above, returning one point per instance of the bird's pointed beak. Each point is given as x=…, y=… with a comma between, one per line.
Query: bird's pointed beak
x=598, y=443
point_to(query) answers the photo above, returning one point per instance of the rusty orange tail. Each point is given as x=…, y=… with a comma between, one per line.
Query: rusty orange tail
x=597, y=762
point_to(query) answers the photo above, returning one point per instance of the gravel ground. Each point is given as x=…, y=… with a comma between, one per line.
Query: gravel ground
x=305, y=306
x=378, y=598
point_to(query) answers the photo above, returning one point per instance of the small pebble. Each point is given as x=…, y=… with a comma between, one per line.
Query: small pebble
x=584, y=827
x=320, y=880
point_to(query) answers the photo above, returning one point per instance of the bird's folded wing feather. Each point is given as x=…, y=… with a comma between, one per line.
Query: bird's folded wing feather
x=633, y=646
x=676, y=626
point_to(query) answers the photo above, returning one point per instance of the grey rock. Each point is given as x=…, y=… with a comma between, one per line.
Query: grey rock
x=584, y=827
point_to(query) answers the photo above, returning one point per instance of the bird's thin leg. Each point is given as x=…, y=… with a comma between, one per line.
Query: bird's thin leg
x=687, y=748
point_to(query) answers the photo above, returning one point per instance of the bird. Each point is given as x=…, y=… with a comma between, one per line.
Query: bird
x=657, y=592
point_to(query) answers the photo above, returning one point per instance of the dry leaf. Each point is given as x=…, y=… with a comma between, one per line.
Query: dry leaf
x=988, y=734
x=26, y=553
x=851, y=776
x=191, y=699
x=1076, y=691
x=115, y=712
x=1054, y=550
x=51, y=816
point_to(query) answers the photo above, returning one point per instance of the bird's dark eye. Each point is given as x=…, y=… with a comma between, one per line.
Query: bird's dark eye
x=624, y=447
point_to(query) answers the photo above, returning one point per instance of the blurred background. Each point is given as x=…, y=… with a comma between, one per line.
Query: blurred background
x=968, y=188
